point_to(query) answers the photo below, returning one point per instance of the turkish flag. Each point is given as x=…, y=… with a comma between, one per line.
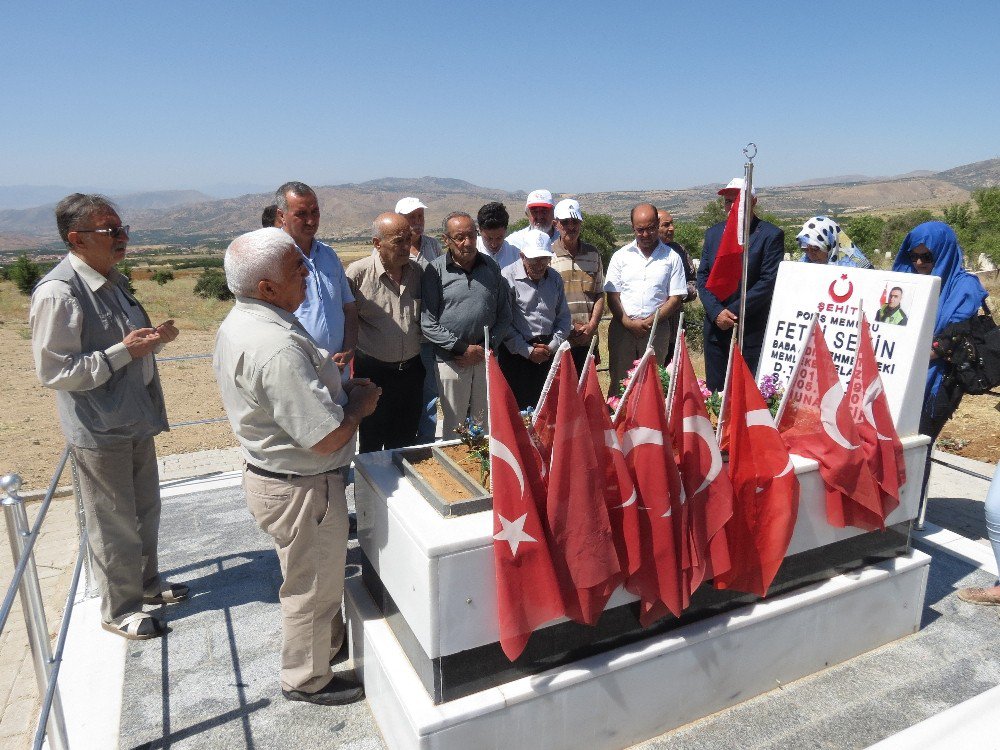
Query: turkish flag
x=817, y=423
x=727, y=268
x=644, y=435
x=528, y=592
x=708, y=489
x=870, y=410
x=618, y=489
x=581, y=541
x=543, y=422
x=765, y=487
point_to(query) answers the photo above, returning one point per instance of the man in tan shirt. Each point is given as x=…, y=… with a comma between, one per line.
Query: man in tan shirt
x=386, y=288
x=296, y=424
x=579, y=264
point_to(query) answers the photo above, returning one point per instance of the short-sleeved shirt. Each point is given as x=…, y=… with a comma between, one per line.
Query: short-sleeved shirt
x=388, y=315
x=430, y=249
x=583, y=278
x=645, y=283
x=327, y=291
x=282, y=392
x=505, y=256
x=538, y=308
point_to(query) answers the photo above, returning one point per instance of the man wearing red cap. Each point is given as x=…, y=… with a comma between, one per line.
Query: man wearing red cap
x=766, y=250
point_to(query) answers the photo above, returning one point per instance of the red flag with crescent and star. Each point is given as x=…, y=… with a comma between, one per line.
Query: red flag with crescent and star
x=579, y=530
x=727, y=268
x=709, y=492
x=870, y=409
x=816, y=423
x=528, y=592
x=616, y=483
x=764, y=484
x=644, y=435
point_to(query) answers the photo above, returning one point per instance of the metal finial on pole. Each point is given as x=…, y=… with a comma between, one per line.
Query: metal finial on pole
x=746, y=208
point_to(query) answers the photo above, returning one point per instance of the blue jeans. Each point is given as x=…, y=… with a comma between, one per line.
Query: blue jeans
x=427, y=427
x=993, y=514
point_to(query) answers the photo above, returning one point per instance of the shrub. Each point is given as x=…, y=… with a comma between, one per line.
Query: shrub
x=24, y=273
x=161, y=277
x=212, y=285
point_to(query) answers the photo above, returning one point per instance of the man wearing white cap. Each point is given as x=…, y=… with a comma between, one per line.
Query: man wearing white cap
x=540, y=319
x=645, y=282
x=766, y=250
x=579, y=264
x=539, y=208
x=423, y=249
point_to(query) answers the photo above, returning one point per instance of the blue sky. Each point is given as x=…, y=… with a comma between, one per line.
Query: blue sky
x=577, y=96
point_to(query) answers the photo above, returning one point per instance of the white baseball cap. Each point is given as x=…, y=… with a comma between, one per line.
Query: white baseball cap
x=537, y=244
x=568, y=209
x=737, y=183
x=408, y=205
x=539, y=198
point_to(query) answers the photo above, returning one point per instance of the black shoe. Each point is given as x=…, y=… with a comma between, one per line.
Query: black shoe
x=352, y=524
x=338, y=692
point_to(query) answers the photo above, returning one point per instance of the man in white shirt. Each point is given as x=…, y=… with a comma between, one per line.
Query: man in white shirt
x=540, y=210
x=493, y=221
x=423, y=249
x=645, y=281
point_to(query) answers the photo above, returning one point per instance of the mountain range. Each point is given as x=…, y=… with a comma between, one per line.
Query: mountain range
x=189, y=218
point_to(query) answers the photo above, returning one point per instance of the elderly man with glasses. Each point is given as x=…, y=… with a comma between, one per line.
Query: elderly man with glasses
x=645, y=281
x=93, y=344
x=463, y=292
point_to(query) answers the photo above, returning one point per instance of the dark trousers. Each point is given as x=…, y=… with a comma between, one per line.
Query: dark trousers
x=717, y=353
x=524, y=377
x=394, y=422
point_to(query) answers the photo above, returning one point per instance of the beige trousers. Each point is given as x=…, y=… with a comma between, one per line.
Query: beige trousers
x=120, y=493
x=462, y=391
x=624, y=348
x=307, y=518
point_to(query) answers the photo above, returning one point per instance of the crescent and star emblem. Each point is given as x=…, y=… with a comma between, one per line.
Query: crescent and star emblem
x=828, y=416
x=870, y=395
x=502, y=452
x=513, y=533
x=700, y=426
x=762, y=418
x=841, y=297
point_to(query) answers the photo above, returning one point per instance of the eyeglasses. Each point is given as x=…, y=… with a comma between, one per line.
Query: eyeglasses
x=113, y=232
x=651, y=229
x=460, y=238
x=921, y=258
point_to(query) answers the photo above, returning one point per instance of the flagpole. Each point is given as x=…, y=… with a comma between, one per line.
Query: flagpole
x=549, y=376
x=652, y=330
x=747, y=209
x=795, y=371
x=486, y=347
x=675, y=364
x=586, y=360
x=725, y=387
x=631, y=383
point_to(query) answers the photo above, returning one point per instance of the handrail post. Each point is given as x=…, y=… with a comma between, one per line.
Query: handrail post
x=89, y=588
x=31, y=604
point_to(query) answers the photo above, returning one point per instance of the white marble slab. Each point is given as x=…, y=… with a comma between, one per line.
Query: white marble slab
x=439, y=571
x=616, y=699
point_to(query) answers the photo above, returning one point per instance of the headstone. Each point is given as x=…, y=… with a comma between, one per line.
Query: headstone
x=836, y=293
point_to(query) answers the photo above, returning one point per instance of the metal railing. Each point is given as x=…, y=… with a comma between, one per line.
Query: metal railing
x=24, y=581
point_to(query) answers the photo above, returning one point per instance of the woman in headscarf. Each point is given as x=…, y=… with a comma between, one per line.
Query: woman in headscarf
x=932, y=248
x=823, y=241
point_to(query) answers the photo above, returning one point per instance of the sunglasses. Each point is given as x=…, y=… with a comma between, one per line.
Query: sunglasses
x=113, y=232
x=921, y=258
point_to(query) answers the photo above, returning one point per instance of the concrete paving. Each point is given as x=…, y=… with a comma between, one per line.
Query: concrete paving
x=212, y=682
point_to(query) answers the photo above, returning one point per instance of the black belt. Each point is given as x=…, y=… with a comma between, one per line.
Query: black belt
x=378, y=364
x=286, y=477
x=541, y=340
